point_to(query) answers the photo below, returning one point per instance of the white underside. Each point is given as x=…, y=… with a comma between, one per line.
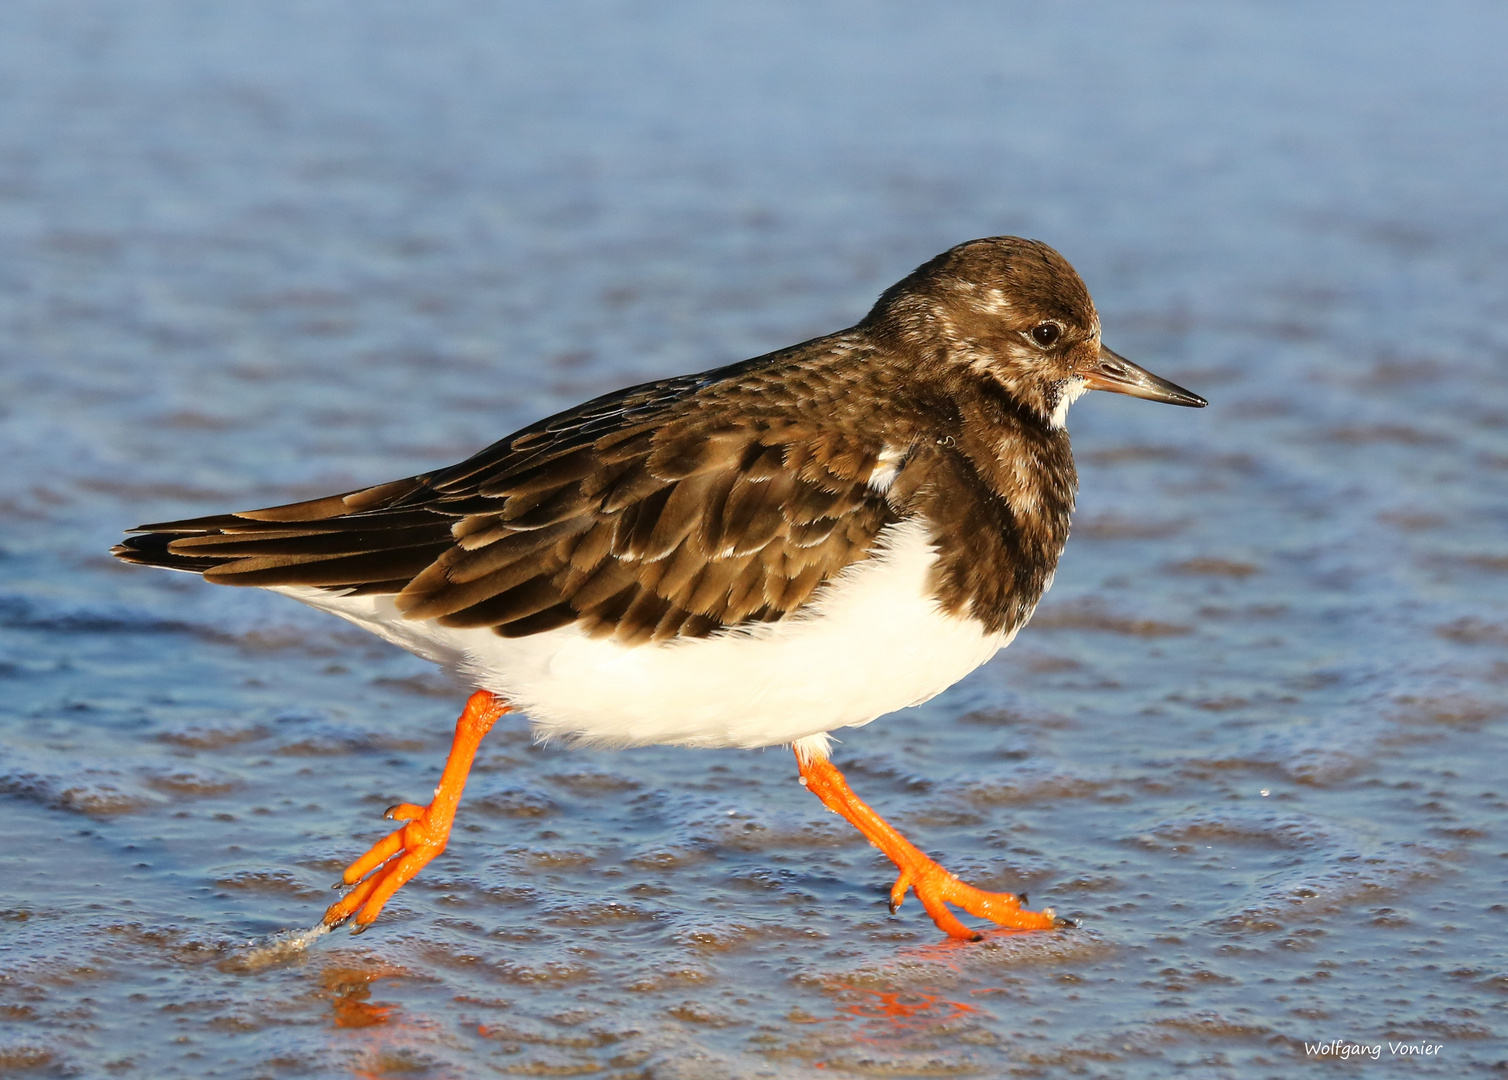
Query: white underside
x=873, y=642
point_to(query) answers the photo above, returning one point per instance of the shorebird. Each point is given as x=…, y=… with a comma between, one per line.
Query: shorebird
x=753, y=556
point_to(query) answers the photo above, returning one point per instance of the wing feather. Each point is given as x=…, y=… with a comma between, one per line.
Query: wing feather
x=659, y=512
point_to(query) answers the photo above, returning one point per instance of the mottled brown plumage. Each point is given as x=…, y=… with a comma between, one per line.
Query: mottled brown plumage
x=680, y=507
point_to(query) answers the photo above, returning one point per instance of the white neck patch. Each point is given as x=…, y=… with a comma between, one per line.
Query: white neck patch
x=1071, y=392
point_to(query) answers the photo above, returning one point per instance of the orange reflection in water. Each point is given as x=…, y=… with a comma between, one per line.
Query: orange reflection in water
x=903, y=1011
x=889, y=1015
x=896, y=1020
x=351, y=1012
x=385, y=1038
x=350, y=991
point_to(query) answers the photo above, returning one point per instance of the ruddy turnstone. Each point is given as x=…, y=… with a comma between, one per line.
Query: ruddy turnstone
x=752, y=556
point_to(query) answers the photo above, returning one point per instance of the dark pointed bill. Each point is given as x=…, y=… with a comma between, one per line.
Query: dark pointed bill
x=1115, y=373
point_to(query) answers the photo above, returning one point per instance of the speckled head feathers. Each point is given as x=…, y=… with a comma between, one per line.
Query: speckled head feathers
x=1007, y=309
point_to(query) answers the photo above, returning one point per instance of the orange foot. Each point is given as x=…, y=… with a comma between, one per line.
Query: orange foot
x=934, y=886
x=400, y=855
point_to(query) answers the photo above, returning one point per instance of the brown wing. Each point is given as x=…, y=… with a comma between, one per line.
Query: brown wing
x=645, y=515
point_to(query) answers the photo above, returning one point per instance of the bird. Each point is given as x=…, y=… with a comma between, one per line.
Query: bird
x=757, y=555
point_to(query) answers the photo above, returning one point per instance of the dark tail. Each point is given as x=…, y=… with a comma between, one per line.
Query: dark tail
x=364, y=540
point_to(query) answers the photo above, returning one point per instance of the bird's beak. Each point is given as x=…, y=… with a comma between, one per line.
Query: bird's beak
x=1115, y=373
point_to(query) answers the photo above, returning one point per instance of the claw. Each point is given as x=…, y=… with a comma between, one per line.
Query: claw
x=333, y=925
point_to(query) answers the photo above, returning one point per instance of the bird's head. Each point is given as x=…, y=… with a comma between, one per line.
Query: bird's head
x=1014, y=312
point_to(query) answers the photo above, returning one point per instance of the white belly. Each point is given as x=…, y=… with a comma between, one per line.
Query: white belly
x=873, y=642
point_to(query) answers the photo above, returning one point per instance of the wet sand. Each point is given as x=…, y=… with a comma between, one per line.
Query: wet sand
x=1253, y=740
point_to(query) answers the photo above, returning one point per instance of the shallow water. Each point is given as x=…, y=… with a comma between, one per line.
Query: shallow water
x=1253, y=739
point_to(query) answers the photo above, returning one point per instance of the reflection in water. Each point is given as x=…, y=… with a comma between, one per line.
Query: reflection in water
x=900, y=1014
x=379, y=1040
x=350, y=1004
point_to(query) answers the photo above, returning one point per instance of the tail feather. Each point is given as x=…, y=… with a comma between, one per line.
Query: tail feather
x=359, y=540
x=152, y=550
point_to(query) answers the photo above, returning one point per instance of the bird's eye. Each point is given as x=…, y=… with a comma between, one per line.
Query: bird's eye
x=1046, y=334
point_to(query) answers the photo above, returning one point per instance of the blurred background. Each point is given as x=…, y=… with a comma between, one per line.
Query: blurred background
x=1254, y=738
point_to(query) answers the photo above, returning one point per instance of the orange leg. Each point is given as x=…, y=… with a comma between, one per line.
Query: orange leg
x=395, y=859
x=935, y=887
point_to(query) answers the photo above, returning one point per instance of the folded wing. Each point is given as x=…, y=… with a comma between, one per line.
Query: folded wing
x=645, y=515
